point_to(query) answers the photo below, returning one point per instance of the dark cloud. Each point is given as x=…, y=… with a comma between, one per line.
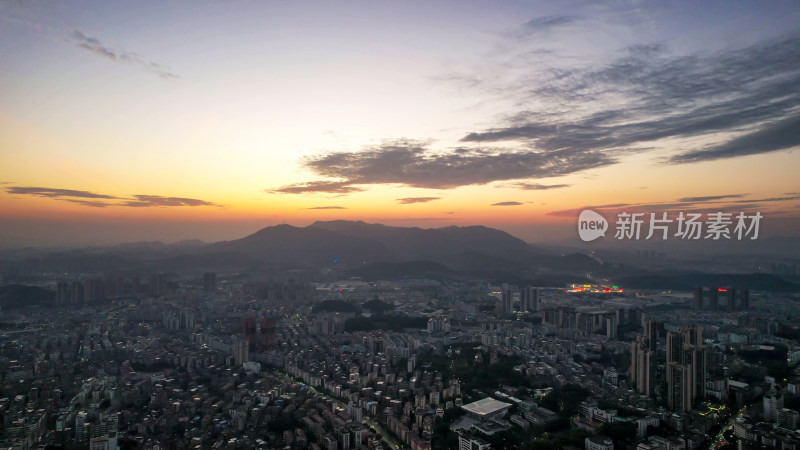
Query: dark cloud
x=709, y=198
x=687, y=204
x=157, y=200
x=545, y=23
x=90, y=203
x=330, y=187
x=327, y=207
x=55, y=193
x=533, y=186
x=771, y=199
x=78, y=197
x=414, y=164
x=781, y=135
x=506, y=204
x=120, y=56
x=416, y=219
x=410, y=200
x=646, y=95
x=597, y=208
x=595, y=116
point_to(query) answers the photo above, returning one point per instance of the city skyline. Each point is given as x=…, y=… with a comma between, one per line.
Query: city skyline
x=201, y=120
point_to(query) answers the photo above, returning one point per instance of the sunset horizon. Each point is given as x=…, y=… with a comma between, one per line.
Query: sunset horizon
x=514, y=117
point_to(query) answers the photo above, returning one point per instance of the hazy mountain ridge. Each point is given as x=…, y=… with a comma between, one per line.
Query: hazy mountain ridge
x=687, y=282
x=306, y=245
x=425, y=243
x=373, y=251
x=354, y=244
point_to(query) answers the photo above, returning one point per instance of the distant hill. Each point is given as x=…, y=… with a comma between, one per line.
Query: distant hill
x=356, y=243
x=375, y=251
x=371, y=251
x=307, y=245
x=407, y=243
x=687, y=282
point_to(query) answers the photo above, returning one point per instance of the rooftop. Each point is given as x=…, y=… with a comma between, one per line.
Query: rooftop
x=486, y=406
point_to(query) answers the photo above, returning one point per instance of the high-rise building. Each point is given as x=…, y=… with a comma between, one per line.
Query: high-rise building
x=643, y=359
x=686, y=368
x=81, y=427
x=731, y=299
x=358, y=435
x=611, y=328
x=697, y=304
x=158, y=285
x=241, y=351
x=259, y=334
x=651, y=332
x=77, y=292
x=209, y=281
x=438, y=325
x=744, y=301
x=93, y=290
x=713, y=296
x=508, y=301
x=529, y=299
x=344, y=438
x=736, y=299
x=64, y=291
x=643, y=365
x=773, y=402
x=788, y=419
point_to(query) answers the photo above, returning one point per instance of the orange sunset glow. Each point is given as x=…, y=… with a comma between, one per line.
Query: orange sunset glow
x=112, y=122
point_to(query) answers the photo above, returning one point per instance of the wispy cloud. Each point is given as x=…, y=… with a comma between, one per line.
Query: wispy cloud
x=410, y=200
x=709, y=203
x=780, y=135
x=744, y=101
x=710, y=198
x=157, y=200
x=80, y=198
x=90, y=203
x=327, y=207
x=591, y=116
x=120, y=56
x=525, y=186
x=770, y=199
x=54, y=193
x=544, y=23
x=330, y=187
x=506, y=204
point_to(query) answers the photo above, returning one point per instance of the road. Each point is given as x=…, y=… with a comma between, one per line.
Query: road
x=719, y=439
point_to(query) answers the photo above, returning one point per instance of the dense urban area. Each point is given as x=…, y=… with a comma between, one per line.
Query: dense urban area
x=296, y=359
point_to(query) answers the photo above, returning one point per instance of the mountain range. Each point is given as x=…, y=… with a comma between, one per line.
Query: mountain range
x=369, y=251
x=353, y=243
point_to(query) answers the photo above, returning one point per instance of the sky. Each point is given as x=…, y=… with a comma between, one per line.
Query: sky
x=134, y=121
